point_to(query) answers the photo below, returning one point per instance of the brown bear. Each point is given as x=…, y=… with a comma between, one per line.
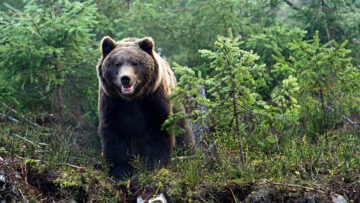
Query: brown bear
x=134, y=85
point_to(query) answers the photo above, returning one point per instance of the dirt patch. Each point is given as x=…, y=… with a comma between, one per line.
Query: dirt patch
x=21, y=181
x=234, y=191
x=9, y=185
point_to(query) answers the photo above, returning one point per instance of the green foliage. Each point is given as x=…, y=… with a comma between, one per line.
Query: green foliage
x=335, y=20
x=87, y=184
x=45, y=51
x=181, y=28
x=236, y=110
x=273, y=41
x=283, y=95
x=327, y=80
x=339, y=17
x=233, y=86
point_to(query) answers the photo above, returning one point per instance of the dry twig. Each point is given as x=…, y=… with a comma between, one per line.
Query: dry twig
x=79, y=168
x=298, y=186
x=353, y=123
x=233, y=195
x=24, y=199
x=29, y=141
x=21, y=115
x=9, y=117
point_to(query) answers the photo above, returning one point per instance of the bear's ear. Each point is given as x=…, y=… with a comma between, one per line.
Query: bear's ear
x=147, y=44
x=107, y=45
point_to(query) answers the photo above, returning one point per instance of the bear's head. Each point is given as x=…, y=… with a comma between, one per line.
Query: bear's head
x=128, y=69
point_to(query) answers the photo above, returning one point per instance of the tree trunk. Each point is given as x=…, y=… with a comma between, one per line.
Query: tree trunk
x=323, y=8
x=128, y=4
x=59, y=100
x=236, y=114
x=59, y=95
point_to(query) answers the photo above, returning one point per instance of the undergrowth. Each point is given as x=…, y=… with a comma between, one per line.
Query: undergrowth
x=64, y=169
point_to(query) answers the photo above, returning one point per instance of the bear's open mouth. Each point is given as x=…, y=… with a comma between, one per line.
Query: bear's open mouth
x=127, y=89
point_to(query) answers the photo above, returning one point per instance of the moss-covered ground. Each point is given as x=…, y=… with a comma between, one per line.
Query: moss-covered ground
x=42, y=164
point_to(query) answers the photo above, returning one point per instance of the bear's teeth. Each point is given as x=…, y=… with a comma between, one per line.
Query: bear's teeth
x=127, y=90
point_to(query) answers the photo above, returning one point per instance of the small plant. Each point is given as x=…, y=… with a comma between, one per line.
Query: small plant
x=236, y=113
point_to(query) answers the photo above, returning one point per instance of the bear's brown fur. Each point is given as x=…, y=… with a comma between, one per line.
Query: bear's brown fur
x=134, y=85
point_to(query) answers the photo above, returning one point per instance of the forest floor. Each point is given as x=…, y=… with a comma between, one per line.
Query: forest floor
x=39, y=164
x=28, y=181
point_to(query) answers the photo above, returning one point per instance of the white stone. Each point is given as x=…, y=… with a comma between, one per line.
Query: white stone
x=2, y=178
x=338, y=198
x=158, y=199
x=140, y=200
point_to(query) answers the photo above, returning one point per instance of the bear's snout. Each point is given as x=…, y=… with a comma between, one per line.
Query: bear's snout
x=125, y=80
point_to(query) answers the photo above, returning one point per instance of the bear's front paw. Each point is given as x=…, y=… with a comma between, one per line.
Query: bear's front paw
x=120, y=173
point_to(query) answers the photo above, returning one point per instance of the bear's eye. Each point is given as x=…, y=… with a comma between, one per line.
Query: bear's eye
x=135, y=63
x=118, y=64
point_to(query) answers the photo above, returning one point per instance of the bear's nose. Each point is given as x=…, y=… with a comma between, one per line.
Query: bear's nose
x=125, y=80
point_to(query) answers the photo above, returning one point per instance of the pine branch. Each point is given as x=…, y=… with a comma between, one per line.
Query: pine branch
x=292, y=5
x=356, y=40
x=351, y=122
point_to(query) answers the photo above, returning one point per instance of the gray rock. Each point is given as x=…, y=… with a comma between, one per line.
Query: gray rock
x=309, y=197
x=2, y=177
x=263, y=195
x=72, y=200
